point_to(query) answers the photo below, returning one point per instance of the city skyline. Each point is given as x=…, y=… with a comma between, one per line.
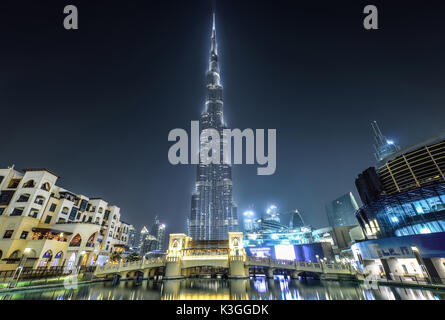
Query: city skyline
x=119, y=104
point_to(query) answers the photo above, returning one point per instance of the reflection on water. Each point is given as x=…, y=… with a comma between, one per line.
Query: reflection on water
x=279, y=288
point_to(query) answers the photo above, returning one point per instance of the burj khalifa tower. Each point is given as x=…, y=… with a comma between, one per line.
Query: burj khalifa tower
x=213, y=212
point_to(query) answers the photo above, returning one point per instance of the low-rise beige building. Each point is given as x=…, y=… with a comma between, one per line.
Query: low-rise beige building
x=52, y=227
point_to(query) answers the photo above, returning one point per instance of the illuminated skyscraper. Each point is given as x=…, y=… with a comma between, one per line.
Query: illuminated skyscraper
x=213, y=213
x=142, y=236
x=157, y=230
x=383, y=147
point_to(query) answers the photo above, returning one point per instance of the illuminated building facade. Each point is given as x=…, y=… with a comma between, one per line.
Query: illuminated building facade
x=157, y=230
x=132, y=239
x=406, y=195
x=152, y=240
x=213, y=212
x=339, y=238
x=275, y=228
x=403, y=216
x=274, y=235
x=53, y=227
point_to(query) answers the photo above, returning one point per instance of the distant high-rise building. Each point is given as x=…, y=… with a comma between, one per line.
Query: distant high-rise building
x=213, y=213
x=132, y=239
x=148, y=244
x=383, y=147
x=153, y=239
x=341, y=211
x=142, y=235
x=157, y=230
x=249, y=220
x=296, y=220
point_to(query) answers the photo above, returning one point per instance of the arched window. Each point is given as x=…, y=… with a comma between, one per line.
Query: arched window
x=57, y=259
x=15, y=255
x=101, y=210
x=71, y=261
x=13, y=183
x=76, y=241
x=24, y=197
x=45, y=186
x=90, y=242
x=114, y=217
x=48, y=254
x=39, y=200
x=29, y=184
x=65, y=210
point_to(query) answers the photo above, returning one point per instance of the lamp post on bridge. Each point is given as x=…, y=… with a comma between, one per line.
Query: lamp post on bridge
x=320, y=262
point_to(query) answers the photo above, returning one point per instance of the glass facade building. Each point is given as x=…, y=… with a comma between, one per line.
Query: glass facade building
x=341, y=211
x=266, y=237
x=417, y=211
x=406, y=195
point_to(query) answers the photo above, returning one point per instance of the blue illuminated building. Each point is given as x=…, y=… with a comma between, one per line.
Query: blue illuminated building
x=283, y=236
x=276, y=228
x=406, y=195
x=403, y=214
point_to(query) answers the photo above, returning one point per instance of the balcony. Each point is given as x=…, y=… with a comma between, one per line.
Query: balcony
x=78, y=222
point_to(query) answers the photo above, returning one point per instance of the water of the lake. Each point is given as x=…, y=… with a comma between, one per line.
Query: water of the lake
x=279, y=288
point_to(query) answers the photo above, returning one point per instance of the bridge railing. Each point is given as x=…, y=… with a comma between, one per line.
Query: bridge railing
x=128, y=265
x=292, y=264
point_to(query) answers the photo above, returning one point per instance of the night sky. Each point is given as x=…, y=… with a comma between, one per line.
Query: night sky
x=95, y=105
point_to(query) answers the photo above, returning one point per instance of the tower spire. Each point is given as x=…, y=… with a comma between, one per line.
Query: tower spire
x=214, y=48
x=214, y=28
x=213, y=59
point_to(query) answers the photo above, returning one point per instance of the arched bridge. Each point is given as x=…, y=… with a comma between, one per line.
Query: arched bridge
x=185, y=254
x=238, y=267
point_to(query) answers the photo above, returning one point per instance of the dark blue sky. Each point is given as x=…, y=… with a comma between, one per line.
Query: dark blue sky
x=95, y=105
